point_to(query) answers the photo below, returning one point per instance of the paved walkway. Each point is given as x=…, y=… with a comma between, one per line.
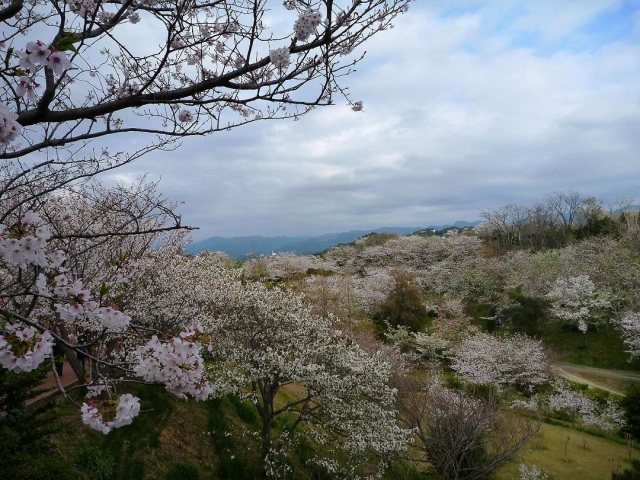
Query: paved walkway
x=67, y=379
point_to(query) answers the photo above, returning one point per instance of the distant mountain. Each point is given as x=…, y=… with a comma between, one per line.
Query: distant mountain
x=239, y=247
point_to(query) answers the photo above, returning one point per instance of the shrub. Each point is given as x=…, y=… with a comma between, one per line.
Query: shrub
x=631, y=407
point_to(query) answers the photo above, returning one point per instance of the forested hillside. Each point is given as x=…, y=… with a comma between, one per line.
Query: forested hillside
x=400, y=357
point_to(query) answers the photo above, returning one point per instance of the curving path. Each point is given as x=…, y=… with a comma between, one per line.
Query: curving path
x=576, y=373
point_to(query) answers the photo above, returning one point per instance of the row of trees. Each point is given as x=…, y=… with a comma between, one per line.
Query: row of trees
x=555, y=222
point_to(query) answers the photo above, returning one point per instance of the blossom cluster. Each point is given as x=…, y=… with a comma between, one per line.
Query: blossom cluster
x=185, y=116
x=606, y=417
x=38, y=53
x=77, y=303
x=9, y=128
x=280, y=58
x=178, y=364
x=23, y=243
x=123, y=411
x=575, y=300
x=532, y=473
x=306, y=24
x=84, y=8
x=23, y=349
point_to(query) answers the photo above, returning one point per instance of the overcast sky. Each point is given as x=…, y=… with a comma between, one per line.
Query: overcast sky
x=467, y=105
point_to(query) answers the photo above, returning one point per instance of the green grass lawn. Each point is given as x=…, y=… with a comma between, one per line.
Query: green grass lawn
x=593, y=463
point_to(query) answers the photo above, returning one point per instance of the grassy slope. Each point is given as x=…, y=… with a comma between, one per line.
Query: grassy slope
x=154, y=446
x=592, y=463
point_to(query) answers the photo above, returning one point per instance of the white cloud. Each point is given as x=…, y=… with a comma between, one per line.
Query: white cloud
x=460, y=114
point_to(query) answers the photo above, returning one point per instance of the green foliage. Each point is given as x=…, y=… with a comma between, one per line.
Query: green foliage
x=605, y=348
x=631, y=405
x=319, y=272
x=233, y=462
x=304, y=454
x=25, y=431
x=606, y=226
x=526, y=314
x=245, y=409
x=183, y=470
x=478, y=311
x=404, y=306
x=451, y=380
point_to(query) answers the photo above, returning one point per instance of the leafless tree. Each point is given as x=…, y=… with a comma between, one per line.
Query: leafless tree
x=461, y=437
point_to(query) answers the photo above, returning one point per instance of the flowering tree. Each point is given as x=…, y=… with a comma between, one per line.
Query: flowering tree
x=532, y=473
x=44, y=302
x=262, y=342
x=76, y=72
x=606, y=416
x=630, y=326
x=490, y=360
x=266, y=341
x=576, y=301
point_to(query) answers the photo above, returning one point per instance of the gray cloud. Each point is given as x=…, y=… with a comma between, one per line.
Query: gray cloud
x=472, y=107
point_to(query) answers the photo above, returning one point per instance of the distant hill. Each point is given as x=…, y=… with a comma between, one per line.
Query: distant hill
x=239, y=247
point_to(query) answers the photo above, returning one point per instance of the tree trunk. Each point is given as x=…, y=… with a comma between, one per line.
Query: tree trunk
x=265, y=409
x=265, y=446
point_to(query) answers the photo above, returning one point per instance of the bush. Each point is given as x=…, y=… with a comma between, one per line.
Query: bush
x=25, y=449
x=404, y=306
x=233, y=462
x=528, y=314
x=631, y=406
x=246, y=410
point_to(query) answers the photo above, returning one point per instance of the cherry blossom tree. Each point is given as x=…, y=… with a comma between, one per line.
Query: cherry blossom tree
x=283, y=266
x=576, y=301
x=73, y=74
x=267, y=345
x=501, y=360
x=532, y=473
x=629, y=324
x=44, y=302
x=82, y=70
x=267, y=341
x=606, y=416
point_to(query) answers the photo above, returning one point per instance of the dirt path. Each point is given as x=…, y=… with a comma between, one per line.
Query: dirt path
x=590, y=376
